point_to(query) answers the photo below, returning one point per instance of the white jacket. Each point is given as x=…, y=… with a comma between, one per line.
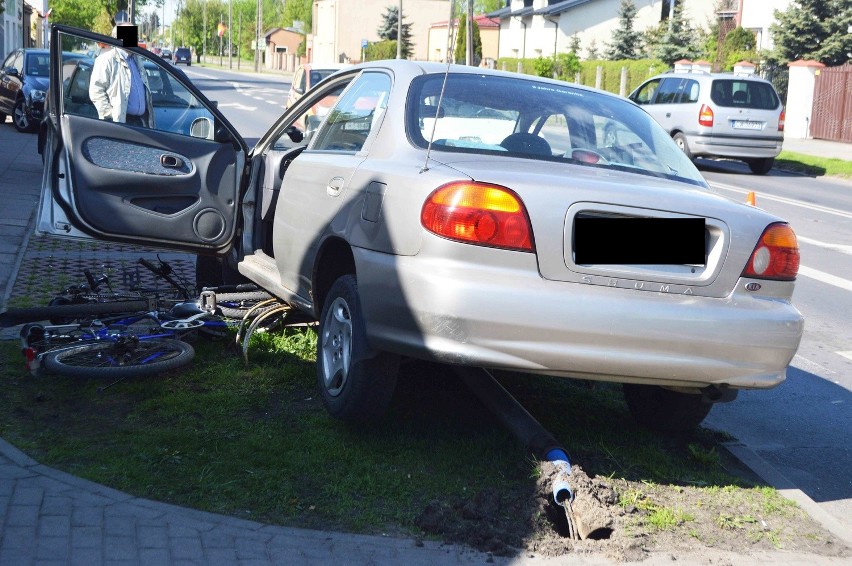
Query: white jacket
x=109, y=87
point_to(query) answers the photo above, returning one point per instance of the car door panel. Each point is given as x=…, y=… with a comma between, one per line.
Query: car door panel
x=132, y=184
x=125, y=188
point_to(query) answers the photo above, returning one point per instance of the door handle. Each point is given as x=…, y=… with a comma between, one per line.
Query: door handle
x=334, y=187
x=668, y=114
x=171, y=161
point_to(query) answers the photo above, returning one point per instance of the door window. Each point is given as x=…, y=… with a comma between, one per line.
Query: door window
x=646, y=92
x=174, y=107
x=669, y=92
x=356, y=114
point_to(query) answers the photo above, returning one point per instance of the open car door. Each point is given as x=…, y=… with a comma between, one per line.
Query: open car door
x=173, y=185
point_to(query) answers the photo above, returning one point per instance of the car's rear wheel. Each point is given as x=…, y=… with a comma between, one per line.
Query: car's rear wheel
x=681, y=142
x=761, y=166
x=356, y=384
x=665, y=410
x=19, y=117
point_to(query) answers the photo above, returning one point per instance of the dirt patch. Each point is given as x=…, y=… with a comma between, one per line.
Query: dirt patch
x=635, y=519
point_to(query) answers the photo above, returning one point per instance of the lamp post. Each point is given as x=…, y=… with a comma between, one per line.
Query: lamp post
x=399, y=32
x=257, y=38
x=230, y=44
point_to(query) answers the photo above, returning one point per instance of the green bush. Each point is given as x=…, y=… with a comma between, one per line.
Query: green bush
x=380, y=50
x=566, y=66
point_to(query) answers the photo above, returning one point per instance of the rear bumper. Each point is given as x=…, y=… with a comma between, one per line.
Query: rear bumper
x=513, y=319
x=737, y=147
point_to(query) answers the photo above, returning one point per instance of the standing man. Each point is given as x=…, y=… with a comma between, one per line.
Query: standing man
x=119, y=88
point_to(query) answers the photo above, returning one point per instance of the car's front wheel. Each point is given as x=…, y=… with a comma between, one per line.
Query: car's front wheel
x=761, y=166
x=681, y=142
x=665, y=410
x=356, y=384
x=19, y=117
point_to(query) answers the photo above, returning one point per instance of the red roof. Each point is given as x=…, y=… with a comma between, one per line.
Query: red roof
x=482, y=21
x=805, y=63
x=744, y=64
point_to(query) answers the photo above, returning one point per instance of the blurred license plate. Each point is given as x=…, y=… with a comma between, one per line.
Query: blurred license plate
x=747, y=125
x=650, y=241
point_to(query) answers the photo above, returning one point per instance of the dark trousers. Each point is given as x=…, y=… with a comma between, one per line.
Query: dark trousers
x=141, y=120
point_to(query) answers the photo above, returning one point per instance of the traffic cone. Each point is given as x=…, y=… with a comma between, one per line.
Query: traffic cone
x=750, y=199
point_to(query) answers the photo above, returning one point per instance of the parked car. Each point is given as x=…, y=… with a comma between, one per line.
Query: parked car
x=166, y=54
x=175, y=108
x=718, y=115
x=308, y=76
x=465, y=216
x=183, y=55
x=24, y=79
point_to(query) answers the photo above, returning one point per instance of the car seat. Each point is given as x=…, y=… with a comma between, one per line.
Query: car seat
x=521, y=142
x=740, y=97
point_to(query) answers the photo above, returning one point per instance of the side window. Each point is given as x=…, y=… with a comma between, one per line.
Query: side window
x=175, y=109
x=555, y=132
x=356, y=114
x=18, y=63
x=299, y=81
x=646, y=92
x=690, y=91
x=9, y=60
x=669, y=91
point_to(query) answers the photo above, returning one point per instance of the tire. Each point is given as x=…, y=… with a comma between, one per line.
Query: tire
x=681, y=142
x=664, y=410
x=356, y=384
x=73, y=311
x=20, y=119
x=761, y=166
x=106, y=359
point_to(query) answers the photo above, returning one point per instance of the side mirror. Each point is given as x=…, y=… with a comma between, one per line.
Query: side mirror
x=11, y=71
x=295, y=134
x=201, y=128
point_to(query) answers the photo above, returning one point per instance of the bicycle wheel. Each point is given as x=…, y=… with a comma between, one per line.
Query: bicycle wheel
x=71, y=311
x=123, y=359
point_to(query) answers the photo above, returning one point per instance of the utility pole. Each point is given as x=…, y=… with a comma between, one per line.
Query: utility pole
x=399, y=32
x=230, y=44
x=258, y=23
x=468, y=52
x=163, y=24
x=239, y=35
x=132, y=9
x=671, y=14
x=204, y=48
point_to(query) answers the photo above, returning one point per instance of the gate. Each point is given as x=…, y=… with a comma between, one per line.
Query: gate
x=831, y=116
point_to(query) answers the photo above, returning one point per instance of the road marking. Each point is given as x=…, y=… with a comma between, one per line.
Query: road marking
x=847, y=354
x=844, y=249
x=825, y=277
x=785, y=200
x=802, y=362
x=237, y=105
x=197, y=74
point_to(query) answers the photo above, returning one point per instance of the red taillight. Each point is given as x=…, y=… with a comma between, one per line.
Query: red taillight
x=781, y=120
x=478, y=213
x=776, y=255
x=705, y=115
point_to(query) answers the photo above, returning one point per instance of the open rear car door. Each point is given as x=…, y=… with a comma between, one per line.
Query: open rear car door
x=174, y=185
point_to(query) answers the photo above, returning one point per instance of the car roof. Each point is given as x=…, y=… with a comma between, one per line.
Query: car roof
x=705, y=75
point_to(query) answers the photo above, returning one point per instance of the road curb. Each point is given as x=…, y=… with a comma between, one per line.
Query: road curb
x=787, y=489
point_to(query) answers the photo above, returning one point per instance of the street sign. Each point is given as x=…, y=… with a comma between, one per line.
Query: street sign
x=364, y=44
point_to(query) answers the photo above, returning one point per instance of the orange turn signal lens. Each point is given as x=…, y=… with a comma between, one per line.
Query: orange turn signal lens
x=478, y=213
x=776, y=255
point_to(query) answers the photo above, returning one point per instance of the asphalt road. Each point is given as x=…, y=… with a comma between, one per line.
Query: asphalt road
x=802, y=429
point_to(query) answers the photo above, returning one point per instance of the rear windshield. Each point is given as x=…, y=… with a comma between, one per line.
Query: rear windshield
x=521, y=117
x=744, y=94
x=318, y=75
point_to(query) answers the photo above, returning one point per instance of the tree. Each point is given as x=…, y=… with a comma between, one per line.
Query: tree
x=574, y=45
x=487, y=6
x=84, y=13
x=814, y=29
x=387, y=30
x=592, y=52
x=739, y=45
x=679, y=41
x=626, y=42
x=461, y=42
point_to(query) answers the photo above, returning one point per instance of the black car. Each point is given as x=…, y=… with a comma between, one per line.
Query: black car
x=183, y=55
x=23, y=86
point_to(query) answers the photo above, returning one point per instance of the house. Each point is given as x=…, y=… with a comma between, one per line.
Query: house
x=282, y=46
x=340, y=27
x=489, y=33
x=536, y=28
